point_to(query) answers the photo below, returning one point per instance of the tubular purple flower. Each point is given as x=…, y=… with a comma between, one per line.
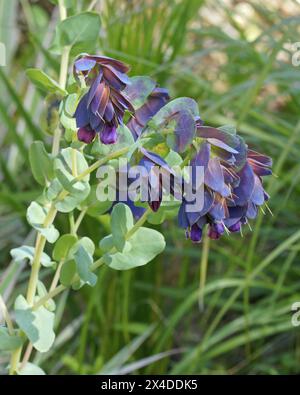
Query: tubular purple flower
x=155, y=167
x=215, y=230
x=102, y=108
x=232, y=182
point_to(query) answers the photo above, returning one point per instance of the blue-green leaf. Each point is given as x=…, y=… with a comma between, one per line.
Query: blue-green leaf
x=27, y=252
x=40, y=79
x=79, y=32
x=9, y=342
x=36, y=324
x=41, y=163
x=146, y=244
x=67, y=273
x=36, y=216
x=30, y=369
x=83, y=261
x=63, y=246
x=121, y=223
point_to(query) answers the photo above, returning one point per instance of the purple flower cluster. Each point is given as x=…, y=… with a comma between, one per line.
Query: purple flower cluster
x=233, y=188
x=232, y=185
x=102, y=108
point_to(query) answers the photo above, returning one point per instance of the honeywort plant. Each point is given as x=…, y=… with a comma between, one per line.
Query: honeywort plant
x=104, y=115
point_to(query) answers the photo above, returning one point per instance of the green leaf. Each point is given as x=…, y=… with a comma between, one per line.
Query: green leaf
x=167, y=210
x=178, y=116
x=36, y=324
x=42, y=291
x=41, y=163
x=68, y=203
x=66, y=111
x=36, y=216
x=173, y=159
x=67, y=166
x=30, y=369
x=139, y=89
x=80, y=260
x=86, y=243
x=63, y=246
x=40, y=79
x=79, y=32
x=146, y=244
x=27, y=252
x=83, y=261
x=95, y=207
x=121, y=223
x=9, y=342
x=67, y=273
x=106, y=243
x=125, y=139
x=173, y=107
x=66, y=173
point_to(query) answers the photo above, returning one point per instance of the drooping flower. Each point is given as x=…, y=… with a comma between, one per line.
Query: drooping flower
x=156, y=100
x=155, y=169
x=232, y=185
x=152, y=169
x=102, y=108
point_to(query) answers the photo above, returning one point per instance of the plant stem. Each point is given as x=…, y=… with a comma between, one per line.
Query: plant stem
x=62, y=9
x=79, y=219
x=27, y=355
x=100, y=162
x=56, y=276
x=203, y=270
x=40, y=244
x=50, y=295
x=94, y=266
x=6, y=316
x=72, y=223
x=14, y=361
x=62, y=76
x=39, y=248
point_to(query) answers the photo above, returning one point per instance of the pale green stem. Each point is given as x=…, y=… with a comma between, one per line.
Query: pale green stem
x=6, y=316
x=39, y=248
x=203, y=270
x=62, y=10
x=79, y=220
x=62, y=82
x=94, y=266
x=14, y=361
x=56, y=276
x=100, y=162
x=41, y=241
x=62, y=76
x=72, y=223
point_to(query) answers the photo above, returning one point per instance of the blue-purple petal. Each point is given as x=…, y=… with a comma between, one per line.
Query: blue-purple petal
x=109, y=134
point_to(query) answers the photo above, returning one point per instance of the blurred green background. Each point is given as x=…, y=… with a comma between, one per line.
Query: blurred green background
x=235, y=59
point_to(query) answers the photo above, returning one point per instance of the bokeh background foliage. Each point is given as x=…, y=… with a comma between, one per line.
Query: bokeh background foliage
x=235, y=59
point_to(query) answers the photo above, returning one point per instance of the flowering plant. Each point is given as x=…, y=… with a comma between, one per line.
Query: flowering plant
x=106, y=115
